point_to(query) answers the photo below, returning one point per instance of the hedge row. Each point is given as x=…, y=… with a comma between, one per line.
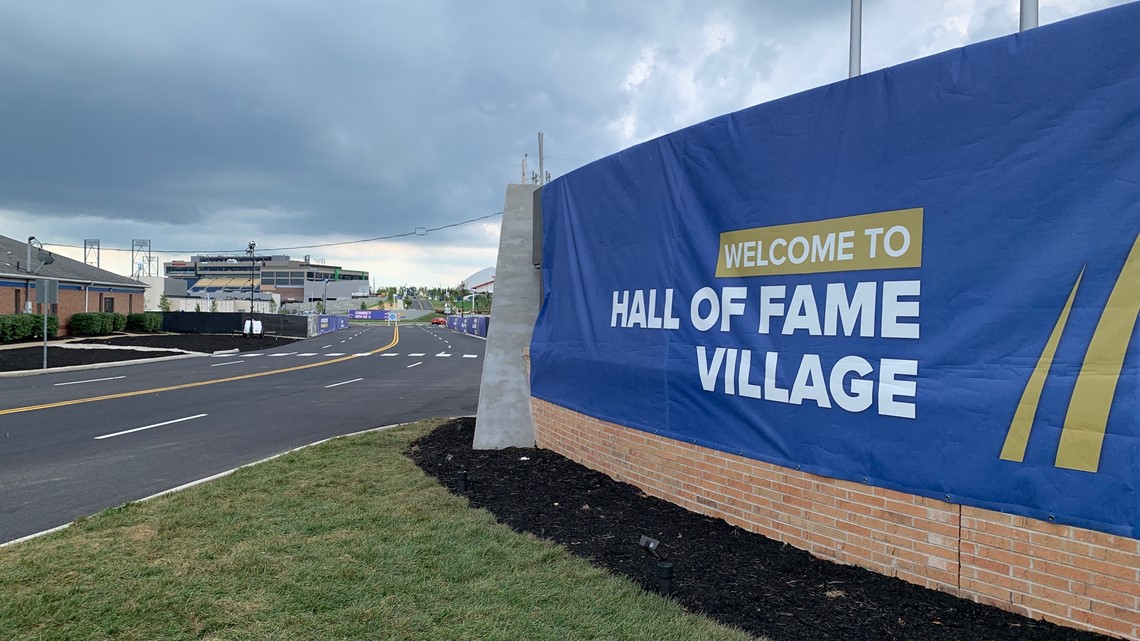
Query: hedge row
x=145, y=322
x=96, y=323
x=21, y=327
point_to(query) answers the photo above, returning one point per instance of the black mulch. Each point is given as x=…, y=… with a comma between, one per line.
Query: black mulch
x=28, y=358
x=736, y=577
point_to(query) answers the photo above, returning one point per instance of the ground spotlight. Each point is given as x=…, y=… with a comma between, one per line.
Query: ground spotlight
x=652, y=547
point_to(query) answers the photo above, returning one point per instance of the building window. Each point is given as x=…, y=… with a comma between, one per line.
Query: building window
x=109, y=304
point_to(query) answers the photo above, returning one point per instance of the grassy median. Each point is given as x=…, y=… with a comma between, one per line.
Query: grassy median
x=347, y=540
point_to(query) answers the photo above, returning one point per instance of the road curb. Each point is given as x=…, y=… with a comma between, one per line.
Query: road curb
x=76, y=368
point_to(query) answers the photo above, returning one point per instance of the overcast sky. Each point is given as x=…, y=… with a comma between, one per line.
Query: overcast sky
x=202, y=125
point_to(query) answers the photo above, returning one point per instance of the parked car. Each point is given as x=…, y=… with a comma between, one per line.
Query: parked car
x=439, y=321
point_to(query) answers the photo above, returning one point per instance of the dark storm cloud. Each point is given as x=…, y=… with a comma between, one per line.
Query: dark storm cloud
x=356, y=119
x=340, y=112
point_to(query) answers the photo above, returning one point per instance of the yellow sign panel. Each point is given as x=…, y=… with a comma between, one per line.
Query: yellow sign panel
x=885, y=240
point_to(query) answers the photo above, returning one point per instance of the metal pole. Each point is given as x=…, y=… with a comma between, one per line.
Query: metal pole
x=252, y=275
x=43, y=312
x=856, y=38
x=541, y=157
x=1028, y=15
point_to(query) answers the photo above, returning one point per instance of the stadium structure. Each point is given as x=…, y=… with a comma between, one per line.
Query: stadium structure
x=294, y=281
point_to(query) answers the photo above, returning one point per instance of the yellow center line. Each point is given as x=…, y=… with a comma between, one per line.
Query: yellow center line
x=156, y=390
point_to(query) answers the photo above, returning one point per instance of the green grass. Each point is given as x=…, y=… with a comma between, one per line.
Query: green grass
x=347, y=540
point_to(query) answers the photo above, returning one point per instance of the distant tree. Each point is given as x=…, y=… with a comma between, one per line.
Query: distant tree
x=363, y=305
x=214, y=305
x=320, y=308
x=197, y=307
x=164, y=303
x=272, y=306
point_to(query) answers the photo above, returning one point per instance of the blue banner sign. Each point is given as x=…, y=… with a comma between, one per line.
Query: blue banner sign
x=470, y=324
x=926, y=278
x=367, y=314
x=326, y=324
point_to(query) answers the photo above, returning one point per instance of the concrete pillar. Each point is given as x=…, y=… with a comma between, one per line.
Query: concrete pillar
x=504, y=418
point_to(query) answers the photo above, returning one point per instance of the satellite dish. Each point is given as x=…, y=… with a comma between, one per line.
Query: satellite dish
x=45, y=257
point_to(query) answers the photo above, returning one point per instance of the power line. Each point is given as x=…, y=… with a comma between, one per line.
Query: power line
x=419, y=231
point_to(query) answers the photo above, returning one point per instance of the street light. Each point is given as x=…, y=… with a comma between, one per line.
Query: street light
x=252, y=275
x=325, y=299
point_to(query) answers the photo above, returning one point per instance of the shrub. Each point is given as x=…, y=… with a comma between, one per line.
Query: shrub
x=21, y=327
x=86, y=324
x=145, y=322
x=118, y=322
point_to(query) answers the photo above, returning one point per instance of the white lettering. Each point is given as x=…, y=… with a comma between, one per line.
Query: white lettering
x=874, y=233
x=845, y=245
x=798, y=241
x=709, y=371
x=822, y=252
x=747, y=388
x=771, y=391
x=704, y=323
x=860, y=308
x=732, y=255
x=890, y=387
x=862, y=393
x=750, y=253
x=620, y=309
x=730, y=373
x=731, y=305
x=769, y=306
x=637, y=310
x=897, y=230
x=894, y=309
x=803, y=312
x=652, y=322
x=670, y=321
x=772, y=251
x=810, y=383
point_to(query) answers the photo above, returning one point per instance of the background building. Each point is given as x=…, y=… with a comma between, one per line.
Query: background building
x=294, y=281
x=82, y=288
x=482, y=281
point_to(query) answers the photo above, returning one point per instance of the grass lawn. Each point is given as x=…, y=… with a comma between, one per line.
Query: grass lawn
x=346, y=540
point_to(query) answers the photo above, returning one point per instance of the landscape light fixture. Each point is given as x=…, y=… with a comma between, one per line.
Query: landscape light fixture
x=461, y=481
x=652, y=547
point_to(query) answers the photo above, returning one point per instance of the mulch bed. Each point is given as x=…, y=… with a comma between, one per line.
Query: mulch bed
x=30, y=358
x=207, y=343
x=736, y=577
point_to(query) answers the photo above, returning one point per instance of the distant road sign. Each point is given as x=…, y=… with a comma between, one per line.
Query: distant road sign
x=47, y=291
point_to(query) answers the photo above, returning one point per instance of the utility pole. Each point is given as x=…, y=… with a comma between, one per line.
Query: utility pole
x=856, y=52
x=1028, y=18
x=541, y=158
x=252, y=275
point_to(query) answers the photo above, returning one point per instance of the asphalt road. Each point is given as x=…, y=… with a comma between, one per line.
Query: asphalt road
x=74, y=443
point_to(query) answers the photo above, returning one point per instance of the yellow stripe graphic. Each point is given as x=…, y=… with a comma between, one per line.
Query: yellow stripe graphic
x=1017, y=437
x=1083, y=433
x=79, y=401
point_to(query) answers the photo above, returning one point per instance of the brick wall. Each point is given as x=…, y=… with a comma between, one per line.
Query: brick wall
x=1068, y=575
x=71, y=301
